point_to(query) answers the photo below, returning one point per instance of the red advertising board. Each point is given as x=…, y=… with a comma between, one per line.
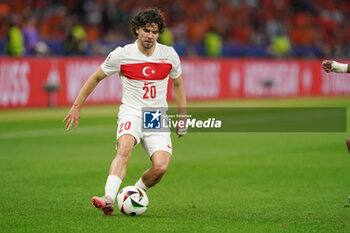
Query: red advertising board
x=22, y=80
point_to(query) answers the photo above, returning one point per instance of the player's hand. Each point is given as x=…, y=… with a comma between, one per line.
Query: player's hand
x=181, y=128
x=72, y=118
x=327, y=65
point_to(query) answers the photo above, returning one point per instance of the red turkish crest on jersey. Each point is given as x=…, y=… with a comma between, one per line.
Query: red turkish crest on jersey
x=146, y=71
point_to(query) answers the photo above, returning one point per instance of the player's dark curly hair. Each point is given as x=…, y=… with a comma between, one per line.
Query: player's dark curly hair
x=149, y=16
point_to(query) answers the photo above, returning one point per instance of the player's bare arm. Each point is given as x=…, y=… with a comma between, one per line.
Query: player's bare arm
x=336, y=67
x=74, y=114
x=180, y=98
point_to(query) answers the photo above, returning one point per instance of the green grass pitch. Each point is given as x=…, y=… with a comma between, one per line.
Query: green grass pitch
x=216, y=182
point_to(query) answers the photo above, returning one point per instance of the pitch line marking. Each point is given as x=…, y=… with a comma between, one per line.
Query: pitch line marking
x=56, y=131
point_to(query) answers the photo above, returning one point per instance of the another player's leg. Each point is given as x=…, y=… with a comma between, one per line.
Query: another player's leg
x=160, y=162
x=117, y=172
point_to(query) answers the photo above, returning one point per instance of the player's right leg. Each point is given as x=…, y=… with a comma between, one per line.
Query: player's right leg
x=117, y=172
x=125, y=146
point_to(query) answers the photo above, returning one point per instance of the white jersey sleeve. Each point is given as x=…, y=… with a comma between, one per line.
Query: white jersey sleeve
x=112, y=63
x=176, y=69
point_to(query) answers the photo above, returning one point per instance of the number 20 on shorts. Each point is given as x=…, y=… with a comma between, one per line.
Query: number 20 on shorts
x=124, y=126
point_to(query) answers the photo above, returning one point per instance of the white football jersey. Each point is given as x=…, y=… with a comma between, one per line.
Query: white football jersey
x=144, y=79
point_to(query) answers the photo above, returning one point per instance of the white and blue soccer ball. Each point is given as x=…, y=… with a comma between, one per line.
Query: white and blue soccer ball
x=132, y=201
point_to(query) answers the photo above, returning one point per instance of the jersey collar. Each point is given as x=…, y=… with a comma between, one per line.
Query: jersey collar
x=154, y=51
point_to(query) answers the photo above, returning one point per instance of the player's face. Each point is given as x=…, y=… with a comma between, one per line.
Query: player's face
x=148, y=35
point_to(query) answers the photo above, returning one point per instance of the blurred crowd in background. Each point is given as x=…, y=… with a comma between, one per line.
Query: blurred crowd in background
x=213, y=28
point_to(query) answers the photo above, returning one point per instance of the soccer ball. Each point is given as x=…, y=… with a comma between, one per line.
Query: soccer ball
x=132, y=201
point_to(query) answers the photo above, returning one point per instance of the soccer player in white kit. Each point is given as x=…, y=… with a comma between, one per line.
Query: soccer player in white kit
x=144, y=68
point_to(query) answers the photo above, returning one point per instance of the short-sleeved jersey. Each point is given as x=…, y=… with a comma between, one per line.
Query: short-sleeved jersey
x=144, y=79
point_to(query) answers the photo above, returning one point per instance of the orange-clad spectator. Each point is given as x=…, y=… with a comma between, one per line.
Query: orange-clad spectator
x=92, y=33
x=56, y=25
x=17, y=6
x=197, y=27
x=302, y=33
x=5, y=10
x=241, y=33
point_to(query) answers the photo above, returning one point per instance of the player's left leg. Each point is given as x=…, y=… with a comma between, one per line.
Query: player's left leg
x=160, y=162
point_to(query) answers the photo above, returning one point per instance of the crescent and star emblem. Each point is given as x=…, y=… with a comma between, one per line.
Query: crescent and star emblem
x=145, y=73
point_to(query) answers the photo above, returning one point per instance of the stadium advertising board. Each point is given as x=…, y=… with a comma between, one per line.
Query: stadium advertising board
x=22, y=80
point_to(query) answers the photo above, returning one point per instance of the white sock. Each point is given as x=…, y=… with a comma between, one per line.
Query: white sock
x=141, y=185
x=112, y=186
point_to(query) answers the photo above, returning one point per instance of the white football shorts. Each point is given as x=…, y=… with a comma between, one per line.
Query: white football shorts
x=150, y=141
